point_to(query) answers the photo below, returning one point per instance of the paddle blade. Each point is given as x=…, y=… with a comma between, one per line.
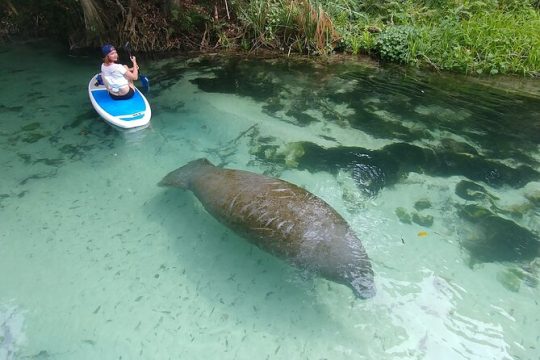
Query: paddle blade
x=145, y=82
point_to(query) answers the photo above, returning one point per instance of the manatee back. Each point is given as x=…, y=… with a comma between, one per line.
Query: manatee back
x=281, y=218
x=276, y=215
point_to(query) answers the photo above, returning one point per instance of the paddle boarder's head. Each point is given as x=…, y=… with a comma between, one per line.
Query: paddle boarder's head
x=109, y=53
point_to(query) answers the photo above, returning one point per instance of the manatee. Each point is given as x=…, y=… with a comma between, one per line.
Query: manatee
x=282, y=219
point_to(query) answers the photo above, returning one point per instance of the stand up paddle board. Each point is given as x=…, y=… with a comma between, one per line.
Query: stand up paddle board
x=125, y=114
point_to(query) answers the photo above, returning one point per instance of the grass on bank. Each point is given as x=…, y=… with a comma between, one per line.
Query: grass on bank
x=292, y=25
x=467, y=36
x=463, y=36
x=495, y=42
x=483, y=37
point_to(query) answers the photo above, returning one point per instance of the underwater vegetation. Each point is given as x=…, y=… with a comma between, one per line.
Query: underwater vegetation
x=231, y=82
x=513, y=277
x=469, y=190
x=490, y=237
x=383, y=104
x=425, y=220
x=497, y=238
x=374, y=169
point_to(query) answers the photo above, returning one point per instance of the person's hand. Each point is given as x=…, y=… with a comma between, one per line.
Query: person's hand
x=133, y=60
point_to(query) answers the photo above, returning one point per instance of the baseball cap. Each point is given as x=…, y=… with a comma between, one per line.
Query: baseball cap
x=106, y=49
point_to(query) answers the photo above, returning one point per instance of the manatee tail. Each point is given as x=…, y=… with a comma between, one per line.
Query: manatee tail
x=182, y=176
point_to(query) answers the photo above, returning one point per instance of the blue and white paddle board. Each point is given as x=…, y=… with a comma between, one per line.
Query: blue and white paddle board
x=125, y=114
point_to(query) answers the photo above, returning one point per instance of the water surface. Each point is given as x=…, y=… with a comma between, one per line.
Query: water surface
x=439, y=177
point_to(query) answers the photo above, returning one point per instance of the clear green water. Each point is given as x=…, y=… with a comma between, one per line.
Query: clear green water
x=97, y=262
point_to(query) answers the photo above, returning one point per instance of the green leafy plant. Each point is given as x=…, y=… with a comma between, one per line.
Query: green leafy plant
x=393, y=43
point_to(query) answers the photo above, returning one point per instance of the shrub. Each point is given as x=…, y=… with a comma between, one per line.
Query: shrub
x=393, y=43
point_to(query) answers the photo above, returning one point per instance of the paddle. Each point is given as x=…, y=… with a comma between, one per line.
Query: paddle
x=145, y=82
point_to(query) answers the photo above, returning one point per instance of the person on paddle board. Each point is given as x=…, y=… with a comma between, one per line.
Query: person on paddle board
x=118, y=78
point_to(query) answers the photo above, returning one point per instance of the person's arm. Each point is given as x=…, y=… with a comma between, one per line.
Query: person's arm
x=132, y=73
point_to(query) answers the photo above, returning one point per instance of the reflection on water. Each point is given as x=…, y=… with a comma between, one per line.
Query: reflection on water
x=439, y=178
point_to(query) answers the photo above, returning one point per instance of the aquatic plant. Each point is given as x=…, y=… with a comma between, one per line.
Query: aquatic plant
x=422, y=204
x=469, y=190
x=403, y=215
x=373, y=170
x=422, y=220
x=498, y=239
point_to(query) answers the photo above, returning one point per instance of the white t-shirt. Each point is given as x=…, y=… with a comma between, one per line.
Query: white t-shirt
x=114, y=76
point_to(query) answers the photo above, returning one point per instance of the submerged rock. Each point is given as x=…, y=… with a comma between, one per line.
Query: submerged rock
x=498, y=239
x=422, y=204
x=422, y=220
x=469, y=190
x=403, y=215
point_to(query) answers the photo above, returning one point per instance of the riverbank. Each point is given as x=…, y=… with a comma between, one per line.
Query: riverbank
x=479, y=38
x=490, y=37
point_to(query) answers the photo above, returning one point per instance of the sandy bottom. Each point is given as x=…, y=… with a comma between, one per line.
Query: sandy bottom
x=98, y=262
